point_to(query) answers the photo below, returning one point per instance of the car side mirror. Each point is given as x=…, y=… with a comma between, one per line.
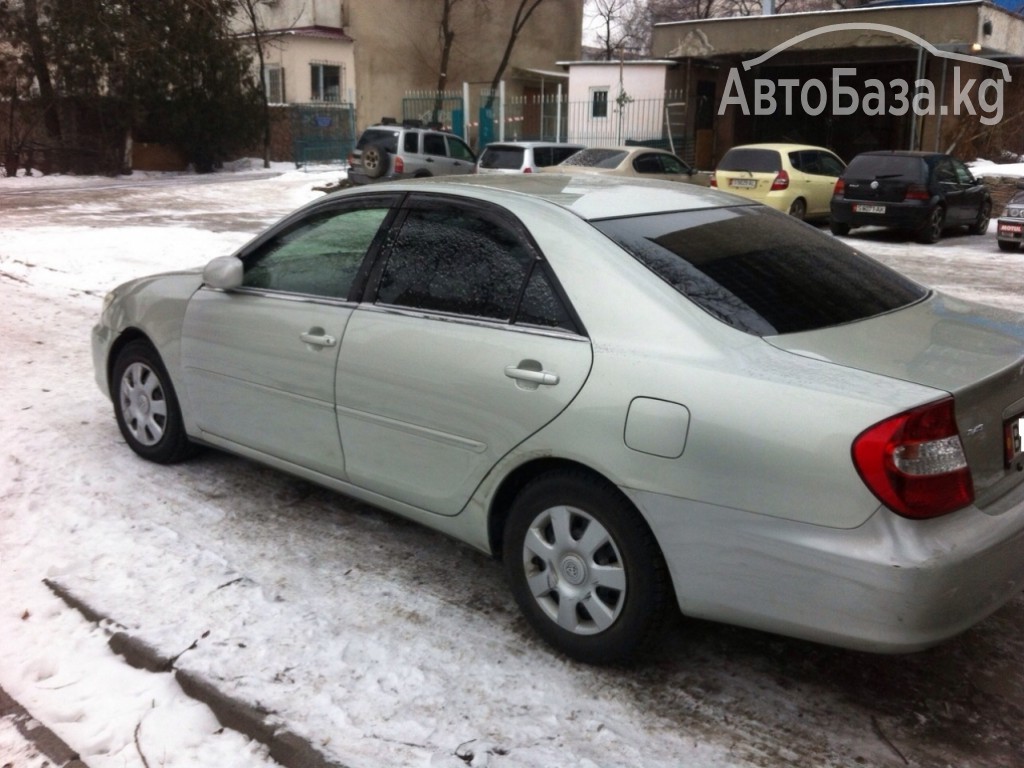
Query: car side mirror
x=223, y=273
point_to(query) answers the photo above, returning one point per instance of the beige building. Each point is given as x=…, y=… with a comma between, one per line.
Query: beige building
x=373, y=53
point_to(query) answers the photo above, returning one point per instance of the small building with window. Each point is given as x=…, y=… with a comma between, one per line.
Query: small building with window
x=611, y=102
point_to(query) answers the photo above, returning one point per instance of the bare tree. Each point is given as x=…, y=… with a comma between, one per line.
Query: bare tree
x=250, y=11
x=523, y=13
x=622, y=26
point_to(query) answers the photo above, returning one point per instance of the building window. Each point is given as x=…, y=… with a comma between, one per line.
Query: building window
x=599, y=102
x=273, y=83
x=325, y=82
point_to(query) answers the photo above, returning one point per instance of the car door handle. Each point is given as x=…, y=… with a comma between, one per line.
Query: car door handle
x=318, y=338
x=530, y=375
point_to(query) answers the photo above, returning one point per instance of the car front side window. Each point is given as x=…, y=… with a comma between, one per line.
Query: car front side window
x=459, y=151
x=320, y=256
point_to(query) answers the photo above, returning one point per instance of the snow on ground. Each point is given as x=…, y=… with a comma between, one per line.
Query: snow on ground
x=381, y=643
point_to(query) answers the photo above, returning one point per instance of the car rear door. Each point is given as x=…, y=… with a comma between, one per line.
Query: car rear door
x=260, y=361
x=463, y=348
x=818, y=172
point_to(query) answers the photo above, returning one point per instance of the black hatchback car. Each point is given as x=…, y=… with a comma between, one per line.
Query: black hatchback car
x=921, y=192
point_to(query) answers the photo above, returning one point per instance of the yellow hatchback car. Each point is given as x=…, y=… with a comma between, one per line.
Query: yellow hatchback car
x=793, y=178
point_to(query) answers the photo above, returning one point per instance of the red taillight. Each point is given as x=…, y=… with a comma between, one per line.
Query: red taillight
x=399, y=164
x=781, y=181
x=839, y=188
x=915, y=463
x=917, y=192
x=713, y=181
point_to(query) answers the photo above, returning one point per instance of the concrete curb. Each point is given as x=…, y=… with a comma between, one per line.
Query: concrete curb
x=45, y=740
x=286, y=747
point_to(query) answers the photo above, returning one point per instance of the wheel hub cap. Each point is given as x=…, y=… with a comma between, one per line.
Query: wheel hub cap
x=573, y=569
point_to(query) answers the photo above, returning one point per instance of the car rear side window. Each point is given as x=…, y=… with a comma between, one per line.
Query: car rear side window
x=759, y=271
x=446, y=258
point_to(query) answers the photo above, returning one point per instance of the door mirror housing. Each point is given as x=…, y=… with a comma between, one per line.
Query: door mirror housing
x=223, y=273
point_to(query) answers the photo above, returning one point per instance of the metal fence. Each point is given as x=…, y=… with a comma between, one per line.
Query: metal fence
x=441, y=109
x=552, y=117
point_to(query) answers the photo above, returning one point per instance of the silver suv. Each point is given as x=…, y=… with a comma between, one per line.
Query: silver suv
x=405, y=151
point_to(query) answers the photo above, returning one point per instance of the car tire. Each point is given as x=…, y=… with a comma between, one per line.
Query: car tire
x=584, y=568
x=375, y=161
x=980, y=225
x=839, y=228
x=146, y=406
x=1005, y=245
x=798, y=210
x=931, y=230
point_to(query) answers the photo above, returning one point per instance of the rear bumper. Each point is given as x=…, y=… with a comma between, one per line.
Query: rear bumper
x=897, y=215
x=890, y=586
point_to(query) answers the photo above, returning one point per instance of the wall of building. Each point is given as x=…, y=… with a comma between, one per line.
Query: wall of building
x=295, y=54
x=398, y=47
x=639, y=86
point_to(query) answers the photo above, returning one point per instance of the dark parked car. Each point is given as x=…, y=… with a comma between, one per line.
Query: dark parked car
x=1010, y=229
x=922, y=192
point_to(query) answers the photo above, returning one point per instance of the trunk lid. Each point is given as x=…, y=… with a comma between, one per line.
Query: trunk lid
x=972, y=351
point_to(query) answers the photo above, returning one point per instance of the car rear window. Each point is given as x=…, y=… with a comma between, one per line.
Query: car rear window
x=597, y=158
x=887, y=167
x=759, y=271
x=753, y=160
x=503, y=158
x=380, y=137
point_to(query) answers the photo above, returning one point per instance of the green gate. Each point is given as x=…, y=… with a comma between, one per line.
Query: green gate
x=322, y=133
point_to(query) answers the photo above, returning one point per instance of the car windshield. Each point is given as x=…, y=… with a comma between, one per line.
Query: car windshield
x=753, y=160
x=887, y=167
x=505, y=158
x=759, y=271
x=381, y=137
x=597, y=158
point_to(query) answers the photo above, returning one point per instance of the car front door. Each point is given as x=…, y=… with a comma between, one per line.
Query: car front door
x=463, y=349
x=973, y=192
x=460, y=156
x=260, y=360
x=954, y=194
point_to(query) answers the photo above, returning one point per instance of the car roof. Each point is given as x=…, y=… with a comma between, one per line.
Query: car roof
x=904, y=153
x=779, y=147
x=402, y=127
x=589, y=196
x=533, y=144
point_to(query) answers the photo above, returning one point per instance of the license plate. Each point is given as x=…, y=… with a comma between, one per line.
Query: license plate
x=869, y=208
x=1014, y=228
x=743, y=183
x=1012, y=431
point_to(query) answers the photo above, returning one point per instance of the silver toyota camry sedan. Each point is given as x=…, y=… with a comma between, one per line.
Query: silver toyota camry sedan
x=640, y=396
